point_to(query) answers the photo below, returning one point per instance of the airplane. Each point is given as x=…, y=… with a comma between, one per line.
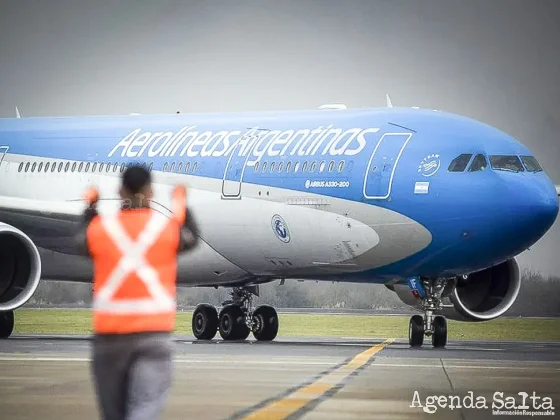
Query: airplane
x=434, y=206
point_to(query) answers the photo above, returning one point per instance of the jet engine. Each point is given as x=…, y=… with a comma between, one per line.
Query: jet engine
x=480, y=296
x=20, y=268
x=487, y=294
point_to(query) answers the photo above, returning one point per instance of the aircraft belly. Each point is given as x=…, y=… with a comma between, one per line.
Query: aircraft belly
x=285, y=239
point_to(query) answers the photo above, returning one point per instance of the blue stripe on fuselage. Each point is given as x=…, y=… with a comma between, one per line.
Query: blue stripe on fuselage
x=336, y=145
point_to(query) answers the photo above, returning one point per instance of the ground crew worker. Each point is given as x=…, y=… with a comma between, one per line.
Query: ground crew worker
x=134, y=254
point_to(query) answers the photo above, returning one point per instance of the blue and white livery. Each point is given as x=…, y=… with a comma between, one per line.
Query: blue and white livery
x=381, y=195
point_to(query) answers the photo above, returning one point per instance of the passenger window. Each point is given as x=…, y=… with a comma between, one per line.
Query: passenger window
x=296, y=167
x=180, y=166
x=459, y=164
x=73, y=166
x=165, y=166
x=47, y=166
x=81, y=166
x=87, y=167
x=341, y=166
x=263, y=166
x=67, y=167
x=172, y=167
x=271, y=166
x=506, y=163
x=187, y=166
x=280, y=165
x=60, y=166
x=288, y=166
x=94, y=167
x=20, y=166
x=478, y=164
x=151, y=166
x=195, y=166
x=123, y=167
x=331, y=165
x=313, y=165
x=304, y=166
x=101, y=167
x=531, y=164
x=256, y=166
x=33, y=167
x=322, y=166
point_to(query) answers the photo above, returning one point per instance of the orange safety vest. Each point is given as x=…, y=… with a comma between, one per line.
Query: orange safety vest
x=134, y=256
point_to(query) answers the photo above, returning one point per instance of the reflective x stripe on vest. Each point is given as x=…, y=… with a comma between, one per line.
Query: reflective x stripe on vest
x=133, y=260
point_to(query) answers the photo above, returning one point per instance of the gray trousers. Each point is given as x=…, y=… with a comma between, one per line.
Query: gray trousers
x=132, y=374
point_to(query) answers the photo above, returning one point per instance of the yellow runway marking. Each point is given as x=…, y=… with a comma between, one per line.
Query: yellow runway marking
x=297, y=400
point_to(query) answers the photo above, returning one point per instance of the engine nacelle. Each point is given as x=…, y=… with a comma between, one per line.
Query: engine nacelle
x=482, y=296
x=20, y=268
x=489, y=293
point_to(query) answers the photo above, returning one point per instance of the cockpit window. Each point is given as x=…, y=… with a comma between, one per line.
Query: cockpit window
x=531, y=164
x=506, y=163
x=479, y=163
x=459, y=163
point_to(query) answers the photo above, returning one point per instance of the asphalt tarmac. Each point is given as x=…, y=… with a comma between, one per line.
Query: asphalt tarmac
x=297, y=378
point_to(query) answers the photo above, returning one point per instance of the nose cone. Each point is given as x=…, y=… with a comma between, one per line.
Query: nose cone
x=535, y=209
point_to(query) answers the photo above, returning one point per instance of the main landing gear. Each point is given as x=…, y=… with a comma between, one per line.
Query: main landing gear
x=434, y=326
x=237, y=319
x=6, y=324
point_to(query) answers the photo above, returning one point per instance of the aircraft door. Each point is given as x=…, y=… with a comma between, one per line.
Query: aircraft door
x=3, y=151
x=236, y=166
x=382, y=165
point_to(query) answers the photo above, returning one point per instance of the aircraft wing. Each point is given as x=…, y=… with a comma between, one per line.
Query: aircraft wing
x=41, y=208
x=14, y=209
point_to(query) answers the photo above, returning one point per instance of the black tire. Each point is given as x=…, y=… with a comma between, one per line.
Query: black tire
x=416, y=331
x=265, y=320
x=7, y=322
x=232, y=324
x=243, y=331
x=205, y=322
x=439, y=337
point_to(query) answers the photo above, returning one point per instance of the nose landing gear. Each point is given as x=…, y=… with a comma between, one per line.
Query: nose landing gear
x=434, y=326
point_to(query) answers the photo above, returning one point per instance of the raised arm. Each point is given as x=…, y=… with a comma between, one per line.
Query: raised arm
x=189, y=233
x=91, y=196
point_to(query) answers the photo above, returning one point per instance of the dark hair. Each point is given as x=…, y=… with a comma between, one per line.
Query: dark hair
x=135, y=177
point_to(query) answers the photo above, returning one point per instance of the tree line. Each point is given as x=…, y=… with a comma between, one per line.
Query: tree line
x=539, y=296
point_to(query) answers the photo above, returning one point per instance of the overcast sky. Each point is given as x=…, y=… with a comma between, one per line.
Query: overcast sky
x=497, y=61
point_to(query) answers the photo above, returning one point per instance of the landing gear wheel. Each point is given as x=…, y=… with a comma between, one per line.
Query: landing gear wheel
x=232, y=324
x=416, y=331
x=265, y=321
x=6, y=324
x=205, y=322
x=439, y=337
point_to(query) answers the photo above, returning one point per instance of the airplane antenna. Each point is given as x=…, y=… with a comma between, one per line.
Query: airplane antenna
x=18, y=115
x=388, y=99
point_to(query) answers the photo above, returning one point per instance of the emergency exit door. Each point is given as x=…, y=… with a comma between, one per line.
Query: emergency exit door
x=236, y=166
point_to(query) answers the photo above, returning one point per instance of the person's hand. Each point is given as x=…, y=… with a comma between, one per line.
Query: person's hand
x=91, y=196
x=179, y=202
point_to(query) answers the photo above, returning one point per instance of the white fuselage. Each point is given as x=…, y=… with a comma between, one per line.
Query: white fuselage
x=322, y=235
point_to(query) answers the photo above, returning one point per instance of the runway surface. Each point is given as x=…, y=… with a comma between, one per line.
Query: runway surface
x=295, y=378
